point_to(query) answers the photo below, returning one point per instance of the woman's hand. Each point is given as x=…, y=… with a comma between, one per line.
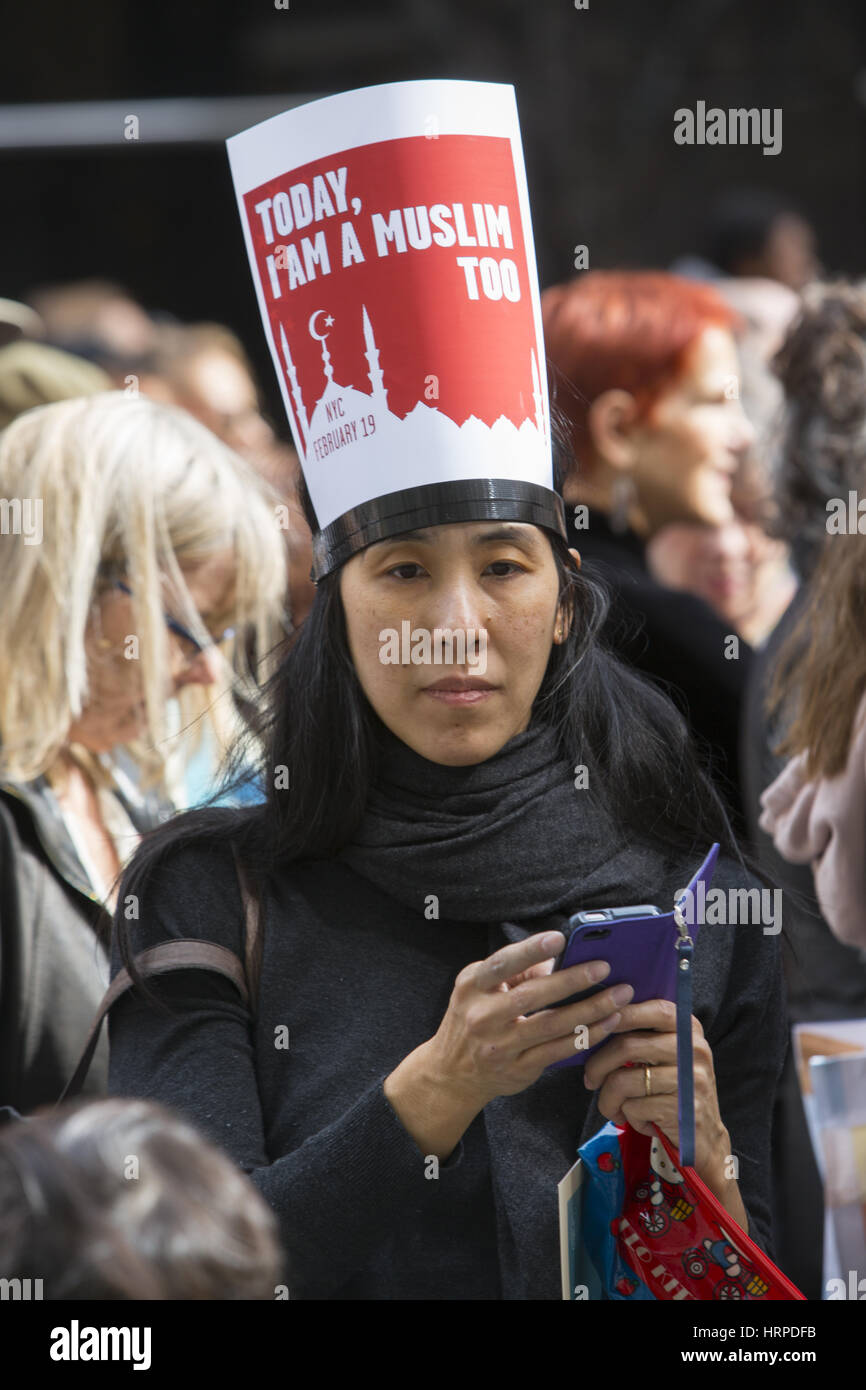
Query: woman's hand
x=646, y=1037
x=493, y=1041
x=497, y=1037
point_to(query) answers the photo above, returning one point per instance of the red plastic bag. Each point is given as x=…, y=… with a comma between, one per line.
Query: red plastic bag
x=676, y=1236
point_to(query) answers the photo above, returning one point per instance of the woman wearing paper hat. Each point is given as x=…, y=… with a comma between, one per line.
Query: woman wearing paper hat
x=435, y=810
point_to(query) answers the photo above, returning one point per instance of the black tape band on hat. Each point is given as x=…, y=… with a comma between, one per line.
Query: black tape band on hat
x=435, y=504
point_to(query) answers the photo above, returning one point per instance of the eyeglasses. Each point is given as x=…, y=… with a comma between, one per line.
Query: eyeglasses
x=183, y=632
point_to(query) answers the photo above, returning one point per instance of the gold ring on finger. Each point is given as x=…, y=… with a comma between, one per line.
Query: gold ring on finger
x=647, y=1080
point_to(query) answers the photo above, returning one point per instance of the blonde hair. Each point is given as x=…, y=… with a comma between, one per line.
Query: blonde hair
x=134, y=489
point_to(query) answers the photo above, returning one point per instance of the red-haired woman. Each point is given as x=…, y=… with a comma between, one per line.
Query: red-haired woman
x=644, y=369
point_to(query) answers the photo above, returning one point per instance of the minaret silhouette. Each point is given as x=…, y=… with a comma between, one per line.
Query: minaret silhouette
x=537, y=396
x=326, y=359
x=375, y=373
x=292, y=373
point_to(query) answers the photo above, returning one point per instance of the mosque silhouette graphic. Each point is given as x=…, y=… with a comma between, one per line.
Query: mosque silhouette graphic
x=365, y=450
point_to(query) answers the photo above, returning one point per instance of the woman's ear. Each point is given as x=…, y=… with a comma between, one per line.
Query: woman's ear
x=565, y=611
x=611, y=420
x=562, y=626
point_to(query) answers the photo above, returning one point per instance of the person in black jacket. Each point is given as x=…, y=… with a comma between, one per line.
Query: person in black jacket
x=54, y=927
x=424, y=840
x=141, y=538
x=644, y=370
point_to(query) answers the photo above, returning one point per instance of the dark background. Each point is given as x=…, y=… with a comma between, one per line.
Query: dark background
x=596, y=92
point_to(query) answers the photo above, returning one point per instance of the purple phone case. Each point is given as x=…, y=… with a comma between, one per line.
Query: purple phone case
x=641, y=951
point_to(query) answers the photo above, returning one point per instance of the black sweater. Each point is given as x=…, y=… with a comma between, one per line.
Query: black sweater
x=679, y=641
x=360, y=981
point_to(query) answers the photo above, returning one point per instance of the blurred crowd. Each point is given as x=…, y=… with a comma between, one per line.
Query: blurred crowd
x=717, y=414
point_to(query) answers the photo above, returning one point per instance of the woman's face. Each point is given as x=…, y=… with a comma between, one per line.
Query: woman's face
x=218, y=390
x=713, y=562
x=115, y=712
x=450, y=630
x=689, y=447
x=737, y=569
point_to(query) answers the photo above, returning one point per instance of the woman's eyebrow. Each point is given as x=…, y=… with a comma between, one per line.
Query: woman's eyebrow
x=400, y=537
x=525, y=539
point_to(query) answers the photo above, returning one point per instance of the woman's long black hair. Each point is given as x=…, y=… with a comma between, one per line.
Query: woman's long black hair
x=317, y=730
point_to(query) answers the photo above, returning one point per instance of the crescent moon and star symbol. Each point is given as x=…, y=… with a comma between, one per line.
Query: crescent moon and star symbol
x=321, y=337
x=311, y=326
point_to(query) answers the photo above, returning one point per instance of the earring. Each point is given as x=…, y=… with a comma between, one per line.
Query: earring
x=623, y=499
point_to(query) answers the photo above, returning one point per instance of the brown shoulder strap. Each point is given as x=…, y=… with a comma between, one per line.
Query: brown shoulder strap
x=185, y=954
x=158, y=960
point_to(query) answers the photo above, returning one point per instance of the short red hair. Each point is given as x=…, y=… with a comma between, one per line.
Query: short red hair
x=624, y=329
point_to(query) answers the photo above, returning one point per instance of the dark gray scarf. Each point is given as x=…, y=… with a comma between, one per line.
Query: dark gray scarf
x=507, y=840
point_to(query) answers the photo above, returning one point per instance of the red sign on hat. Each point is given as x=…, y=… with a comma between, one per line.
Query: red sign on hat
x=388, y=231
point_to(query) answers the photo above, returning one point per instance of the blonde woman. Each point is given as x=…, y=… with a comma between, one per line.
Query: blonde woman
x=133, y=546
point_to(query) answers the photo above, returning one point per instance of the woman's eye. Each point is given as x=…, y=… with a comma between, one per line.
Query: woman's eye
x=501, y=569
x=505, y=565
x=407, y=565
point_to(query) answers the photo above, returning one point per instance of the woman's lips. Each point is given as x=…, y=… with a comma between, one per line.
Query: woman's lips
x=460, y=692
x=458, y=697
x=726, y=471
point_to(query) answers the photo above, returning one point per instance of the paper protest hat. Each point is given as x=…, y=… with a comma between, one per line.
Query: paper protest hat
x=389, y=236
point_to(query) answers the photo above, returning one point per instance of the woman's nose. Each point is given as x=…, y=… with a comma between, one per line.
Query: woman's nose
x=457, y=604
x=742, y=431
x=202, y=670
x=732, y=543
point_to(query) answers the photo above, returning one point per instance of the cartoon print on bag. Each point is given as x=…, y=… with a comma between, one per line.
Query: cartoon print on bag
x=665, y=1186
x=740, y=1278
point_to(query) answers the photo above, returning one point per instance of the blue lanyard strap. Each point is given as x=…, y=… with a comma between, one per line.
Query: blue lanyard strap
x=685, y=1057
